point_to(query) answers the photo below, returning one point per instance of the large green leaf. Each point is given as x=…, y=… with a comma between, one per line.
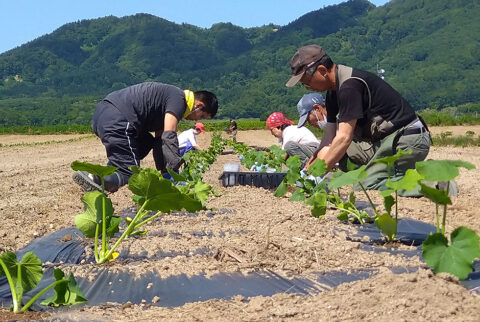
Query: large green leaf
x=456, y=258
x=293, y=163
x=66, y=293
x=30, y=268
x=161, y=194
x=87, y=221
x=439, y=197
x=317, y=168
x=390, y=160
x=387, y=225
x=348, y=178
x=408, y=182
x=441, y=170
x=202, y=191
x=96, y=169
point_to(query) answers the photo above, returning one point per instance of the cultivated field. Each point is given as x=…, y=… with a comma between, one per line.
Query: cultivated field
x=247, y=230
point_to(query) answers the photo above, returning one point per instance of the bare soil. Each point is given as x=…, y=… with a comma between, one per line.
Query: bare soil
x=250, y=230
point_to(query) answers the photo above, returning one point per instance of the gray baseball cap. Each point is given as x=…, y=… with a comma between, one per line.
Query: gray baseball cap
x=305, y=106
x=304, y=58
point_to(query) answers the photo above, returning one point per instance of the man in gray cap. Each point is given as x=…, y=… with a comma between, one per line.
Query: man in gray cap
x=366, y=118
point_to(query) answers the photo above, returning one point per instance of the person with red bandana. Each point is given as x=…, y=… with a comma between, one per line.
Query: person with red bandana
x=295, y=140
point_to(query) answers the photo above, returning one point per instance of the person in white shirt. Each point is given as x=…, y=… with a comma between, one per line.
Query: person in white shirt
x=187, y=140
x=295, y=140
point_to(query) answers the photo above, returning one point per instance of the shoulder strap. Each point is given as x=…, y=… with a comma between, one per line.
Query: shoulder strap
x=345, y=73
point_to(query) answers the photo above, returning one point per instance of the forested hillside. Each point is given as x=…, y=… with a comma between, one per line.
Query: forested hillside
x=429, y=49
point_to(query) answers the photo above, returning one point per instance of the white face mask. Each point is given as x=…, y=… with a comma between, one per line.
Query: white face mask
x=321, y=124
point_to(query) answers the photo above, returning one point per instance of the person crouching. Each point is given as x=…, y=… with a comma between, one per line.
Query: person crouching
x=295, y=140
x=187, y=140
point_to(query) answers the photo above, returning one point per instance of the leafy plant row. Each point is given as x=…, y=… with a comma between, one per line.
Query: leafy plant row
x=455, y=257
x=271, y=158
x=154, y=195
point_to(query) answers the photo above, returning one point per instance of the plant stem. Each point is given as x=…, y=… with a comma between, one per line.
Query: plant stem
x=18, y=286
x=125, y=234
x=396, y=205
x=104, y=224
x=146, y=221
x=95, y=250
x=351, y=212
x=438, y=218
x=444, y=219
x=12, y=286
x=26, y=306
x=369, y=200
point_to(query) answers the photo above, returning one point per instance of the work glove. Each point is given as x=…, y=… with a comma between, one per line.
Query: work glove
x=171, y=153
x=158, y=155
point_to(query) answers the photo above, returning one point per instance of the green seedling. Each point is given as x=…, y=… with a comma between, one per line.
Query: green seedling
x=98, y=210
x=152, y=193
x=439, y=171
x=348, y=208
x=457, y=256
x=306, y=189
x=386, y=222
x=25, y=275
x=272, y=157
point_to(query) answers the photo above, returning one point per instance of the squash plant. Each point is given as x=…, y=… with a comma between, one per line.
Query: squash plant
x=455, y=257
x=24, y=276
x=348, y=208
x=307, y=188
x=152, y=193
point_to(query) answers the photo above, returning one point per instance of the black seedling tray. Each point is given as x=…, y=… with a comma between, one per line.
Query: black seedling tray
x=257, y=179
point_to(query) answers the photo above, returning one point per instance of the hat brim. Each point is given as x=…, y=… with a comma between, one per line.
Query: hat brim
x=202, y=130
x=294, y=79
x=302, y=120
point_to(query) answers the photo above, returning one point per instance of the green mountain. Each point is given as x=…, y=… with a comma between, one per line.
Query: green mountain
x=429, y=49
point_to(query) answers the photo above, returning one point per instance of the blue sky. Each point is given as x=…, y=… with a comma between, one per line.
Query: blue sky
x=24, y=20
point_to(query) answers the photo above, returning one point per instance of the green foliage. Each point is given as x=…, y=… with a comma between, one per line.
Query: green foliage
x=94, y=209
x=271, y=158
x=66, y=293
x=455, y=258
x=24, y=276
x=59, y=77
x=151, y=193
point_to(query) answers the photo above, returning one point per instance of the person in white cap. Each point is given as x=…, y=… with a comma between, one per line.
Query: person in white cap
x=366, y=118
x=124, y=120
x=187, y=140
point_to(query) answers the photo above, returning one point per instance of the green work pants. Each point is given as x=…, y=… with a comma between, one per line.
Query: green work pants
x=364, y=153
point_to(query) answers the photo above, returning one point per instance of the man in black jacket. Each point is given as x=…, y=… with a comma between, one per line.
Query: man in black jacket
x=124, y=119
x=366, y=118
